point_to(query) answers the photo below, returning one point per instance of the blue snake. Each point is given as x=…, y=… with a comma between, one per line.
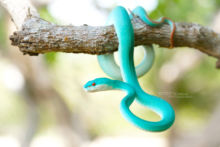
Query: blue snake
x=107, y=62
x=124, y=30
x=109, y=66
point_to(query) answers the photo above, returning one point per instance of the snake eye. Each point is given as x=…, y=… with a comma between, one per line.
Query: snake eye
x=93, y=84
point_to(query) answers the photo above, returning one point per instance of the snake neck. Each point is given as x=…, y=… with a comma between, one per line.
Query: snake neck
x=131, y=94
x=119, y=85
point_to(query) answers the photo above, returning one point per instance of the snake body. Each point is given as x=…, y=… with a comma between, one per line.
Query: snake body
x=109, y=66
x=107, y=61
x=124, y=30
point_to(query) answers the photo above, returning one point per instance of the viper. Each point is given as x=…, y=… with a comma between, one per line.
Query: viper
x=119, y=17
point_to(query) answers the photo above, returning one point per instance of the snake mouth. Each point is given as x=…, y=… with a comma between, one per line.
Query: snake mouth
x=91, y=89
x=97, y=88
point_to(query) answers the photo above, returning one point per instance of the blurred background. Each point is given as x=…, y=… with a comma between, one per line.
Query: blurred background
x=42, y=101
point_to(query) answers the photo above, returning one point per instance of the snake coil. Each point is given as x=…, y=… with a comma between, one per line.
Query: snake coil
x=119, y=17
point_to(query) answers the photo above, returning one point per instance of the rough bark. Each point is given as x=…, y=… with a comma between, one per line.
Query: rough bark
x=40, y=36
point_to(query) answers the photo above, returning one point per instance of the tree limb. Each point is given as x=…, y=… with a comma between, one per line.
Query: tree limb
x=40, y=36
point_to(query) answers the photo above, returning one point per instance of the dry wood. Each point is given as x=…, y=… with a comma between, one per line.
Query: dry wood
x=36, y=35
x=40, y=36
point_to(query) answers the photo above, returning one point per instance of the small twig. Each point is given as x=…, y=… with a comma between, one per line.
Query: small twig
x=29, y=15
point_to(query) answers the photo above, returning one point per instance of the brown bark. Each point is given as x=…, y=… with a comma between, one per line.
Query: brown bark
x=40, y=36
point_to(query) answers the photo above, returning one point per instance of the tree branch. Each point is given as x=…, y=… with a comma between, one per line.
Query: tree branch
x=40, y=36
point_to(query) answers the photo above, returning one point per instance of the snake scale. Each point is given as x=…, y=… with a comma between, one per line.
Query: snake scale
x=121, y=20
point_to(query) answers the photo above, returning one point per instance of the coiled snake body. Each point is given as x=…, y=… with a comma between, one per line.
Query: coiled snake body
x=123, y=27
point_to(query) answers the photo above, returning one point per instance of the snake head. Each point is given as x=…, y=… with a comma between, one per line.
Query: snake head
x=99, y=84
